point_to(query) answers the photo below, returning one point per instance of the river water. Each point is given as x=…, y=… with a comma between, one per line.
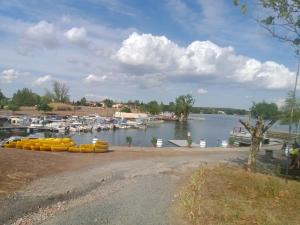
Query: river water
x=201, y=126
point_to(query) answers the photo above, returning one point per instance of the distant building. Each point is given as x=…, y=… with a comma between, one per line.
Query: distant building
x=221, y=112
x=118, y=106
x=130, y=115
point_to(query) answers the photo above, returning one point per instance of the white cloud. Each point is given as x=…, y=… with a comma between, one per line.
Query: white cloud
x=92, y=78
x=42, y=34
x=9, y=75
x=202, y=91
x=146, y=50
x=43, y=80
x=77, y=35
x=152, y=54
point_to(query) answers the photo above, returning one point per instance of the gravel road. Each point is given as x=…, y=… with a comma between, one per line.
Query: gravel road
x=135, y=192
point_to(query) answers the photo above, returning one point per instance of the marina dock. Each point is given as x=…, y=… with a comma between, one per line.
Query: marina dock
x=182, y=143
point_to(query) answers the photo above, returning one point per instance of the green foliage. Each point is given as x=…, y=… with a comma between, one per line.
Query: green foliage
x=189, y=141
x=2, y=96
x=3, y=100
x=129, y=140
x=26, y=97
x=280, y=18
x=13, y=106
x=44, y=107
x=108, y=102
x=231, y=140
x=153, y=108
x=265, y=111
x=3, y=134
x=154, y=141
x=126, y=110
x=183, y=107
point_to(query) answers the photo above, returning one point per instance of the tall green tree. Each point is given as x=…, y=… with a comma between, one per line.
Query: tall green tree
x=153, y=107
x=3, y=100
x=183, y=106
x=25, y=97
x=264, y=115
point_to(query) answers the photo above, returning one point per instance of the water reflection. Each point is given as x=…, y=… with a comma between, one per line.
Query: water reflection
x=181, y=129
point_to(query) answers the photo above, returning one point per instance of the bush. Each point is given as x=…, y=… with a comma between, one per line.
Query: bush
x=129, y=140
x=189, y=141
x=154, y=141
x=3, y=134
x=231, y=141
x=126, y=110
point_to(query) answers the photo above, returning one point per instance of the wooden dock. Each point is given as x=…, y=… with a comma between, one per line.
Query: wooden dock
x=182, y=143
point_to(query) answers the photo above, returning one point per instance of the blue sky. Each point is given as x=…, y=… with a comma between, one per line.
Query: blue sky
x=134, y=49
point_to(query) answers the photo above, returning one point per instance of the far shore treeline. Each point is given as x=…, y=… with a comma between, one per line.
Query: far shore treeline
x=60, y=93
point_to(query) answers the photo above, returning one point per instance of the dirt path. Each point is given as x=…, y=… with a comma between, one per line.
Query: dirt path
x=121, y=187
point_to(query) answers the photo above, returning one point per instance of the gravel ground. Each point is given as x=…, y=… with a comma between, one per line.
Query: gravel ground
x=132, y=191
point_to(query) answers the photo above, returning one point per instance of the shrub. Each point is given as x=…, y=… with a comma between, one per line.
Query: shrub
x=154, y=141
x=189, y=141
x=231, y=141
x=129, y=140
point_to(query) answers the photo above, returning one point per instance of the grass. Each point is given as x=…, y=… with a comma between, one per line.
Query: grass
x=230, y=195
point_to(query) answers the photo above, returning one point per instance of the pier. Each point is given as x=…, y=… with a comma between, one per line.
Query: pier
x=27, y=129
x=183, y=143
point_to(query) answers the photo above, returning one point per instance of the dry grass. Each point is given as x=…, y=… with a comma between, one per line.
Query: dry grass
x=57, y=106
x=230, y=195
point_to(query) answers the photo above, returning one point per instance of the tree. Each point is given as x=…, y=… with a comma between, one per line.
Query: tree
x=3, y=100
x=60, y=92
x=183, y=106
x=83, y=101
x=282, y=20
x=265, y=115
x=108, y=102
x=153, y=108
x=26, y=97
x=13, y=106
x=44, y=107
x=291, y=102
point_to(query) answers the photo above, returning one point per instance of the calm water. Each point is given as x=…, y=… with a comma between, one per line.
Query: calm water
x=212, y=128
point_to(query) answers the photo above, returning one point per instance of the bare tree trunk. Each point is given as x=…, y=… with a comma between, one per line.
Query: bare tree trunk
x=251, y=166
x=256, y=139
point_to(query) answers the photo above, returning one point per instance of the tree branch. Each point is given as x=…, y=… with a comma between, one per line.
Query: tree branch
x=268, y=126
x=247, y=126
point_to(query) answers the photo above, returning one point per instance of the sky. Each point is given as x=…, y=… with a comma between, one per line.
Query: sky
x=143, y=49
